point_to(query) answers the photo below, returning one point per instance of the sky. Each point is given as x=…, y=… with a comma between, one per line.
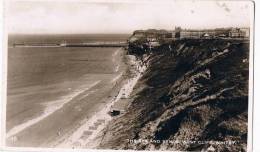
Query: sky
x=121, y=16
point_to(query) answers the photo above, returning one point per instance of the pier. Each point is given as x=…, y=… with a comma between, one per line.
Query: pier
x=96, y=44
x=87, y=44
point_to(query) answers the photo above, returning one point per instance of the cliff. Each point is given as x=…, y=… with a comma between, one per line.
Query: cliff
x=193, y=96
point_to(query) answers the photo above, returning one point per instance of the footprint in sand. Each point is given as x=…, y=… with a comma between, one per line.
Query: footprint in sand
x=86, y=134
x=95, y=126
x=90, y=130
x=97, y=123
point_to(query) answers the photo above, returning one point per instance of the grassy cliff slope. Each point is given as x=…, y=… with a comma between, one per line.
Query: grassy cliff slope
x=193, y=95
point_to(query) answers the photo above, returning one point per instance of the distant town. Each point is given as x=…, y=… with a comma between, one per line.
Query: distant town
x=155, y=38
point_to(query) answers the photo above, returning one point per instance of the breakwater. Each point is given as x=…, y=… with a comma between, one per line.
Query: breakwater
x=90, y=44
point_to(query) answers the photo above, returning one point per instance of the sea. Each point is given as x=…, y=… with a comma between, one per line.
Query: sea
x=44, y=84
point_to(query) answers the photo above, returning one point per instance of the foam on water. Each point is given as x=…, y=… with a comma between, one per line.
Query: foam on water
x=50, y=107
x=76, y=141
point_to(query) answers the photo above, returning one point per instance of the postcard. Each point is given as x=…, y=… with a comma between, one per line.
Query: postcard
x=128, y=75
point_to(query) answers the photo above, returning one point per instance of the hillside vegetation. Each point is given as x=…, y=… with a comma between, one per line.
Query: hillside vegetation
x=192, y=90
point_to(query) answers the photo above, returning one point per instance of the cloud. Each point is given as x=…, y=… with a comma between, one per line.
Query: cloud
x=122, y=17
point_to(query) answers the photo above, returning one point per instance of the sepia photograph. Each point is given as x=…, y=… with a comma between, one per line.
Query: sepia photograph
x=128, y=75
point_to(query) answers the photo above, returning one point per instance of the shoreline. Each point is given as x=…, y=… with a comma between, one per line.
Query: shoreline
x=87, y=135
x=139, y=69
x=78, y=109
x=48, y=110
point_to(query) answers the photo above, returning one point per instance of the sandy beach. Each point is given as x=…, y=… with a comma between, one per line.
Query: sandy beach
x=89, y=134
